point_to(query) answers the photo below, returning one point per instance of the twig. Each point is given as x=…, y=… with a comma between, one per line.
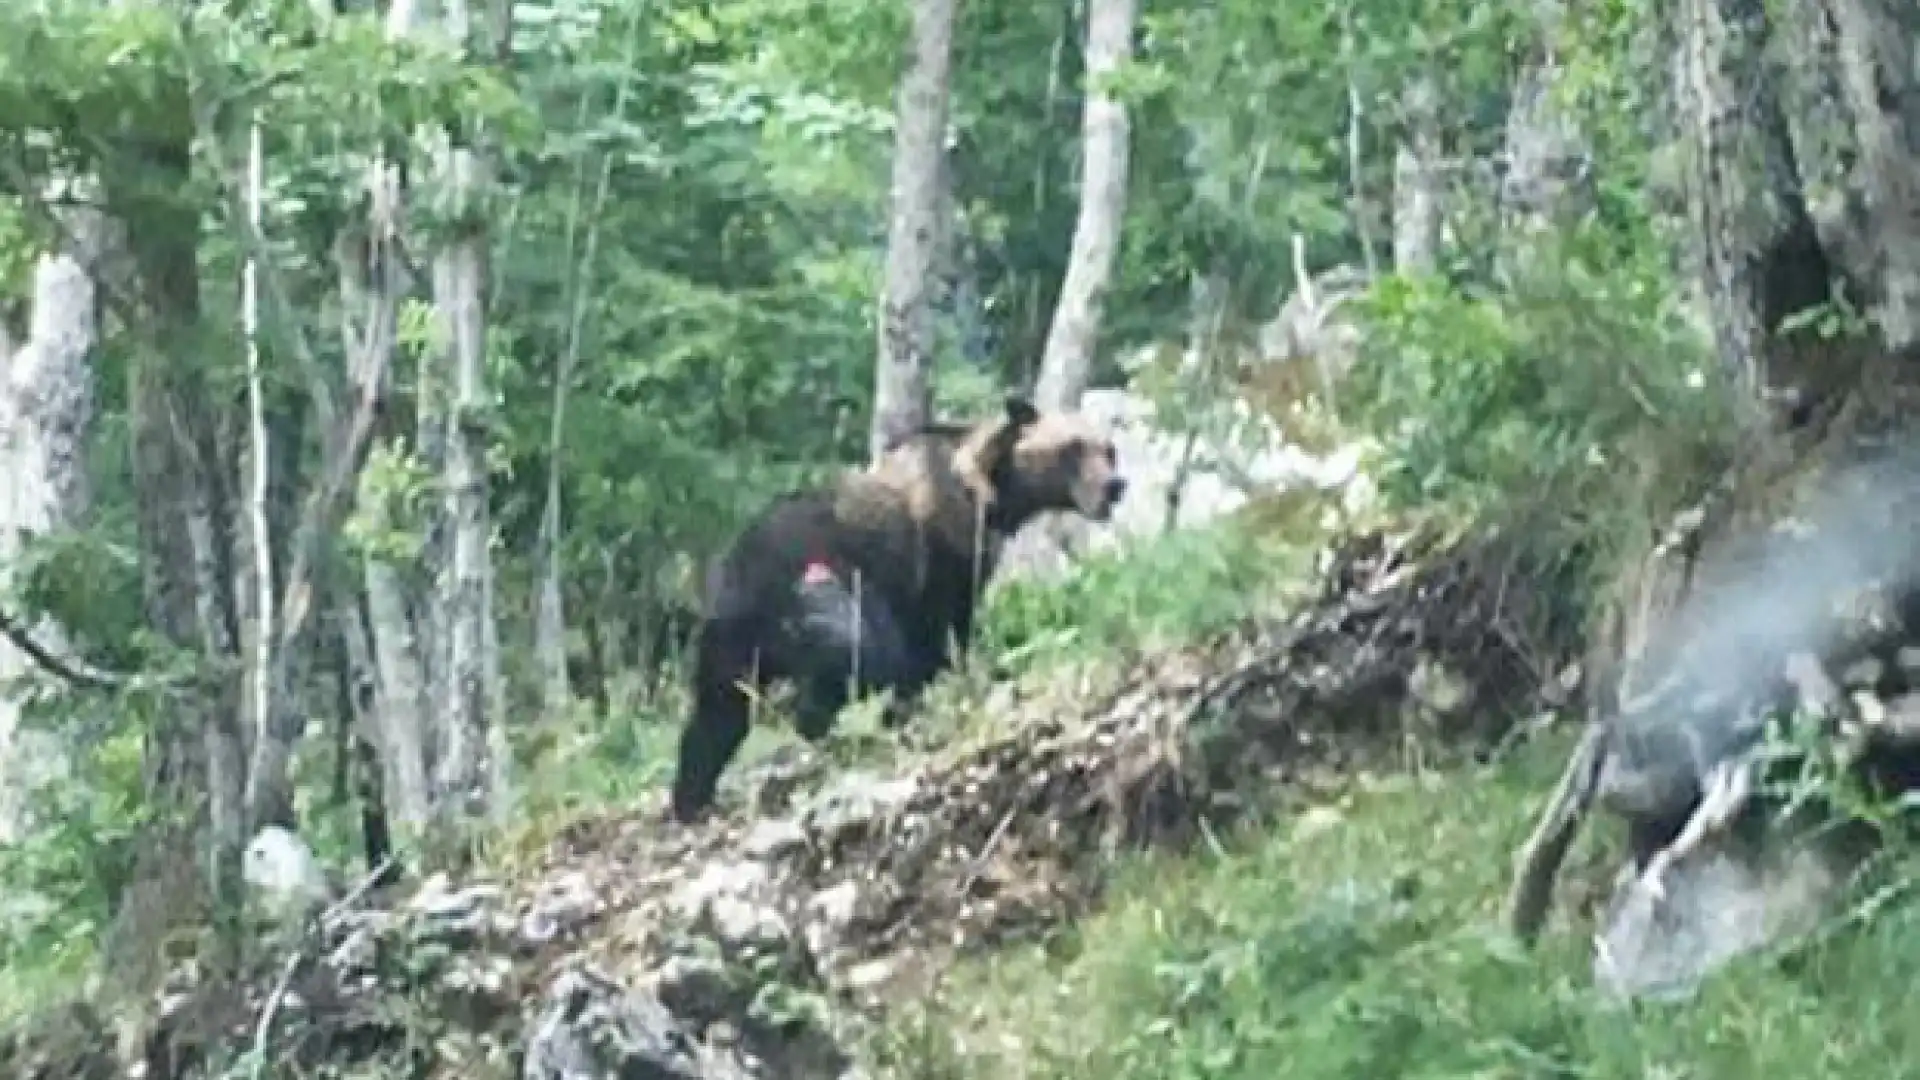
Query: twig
x=986, y=852
x=264, y=1028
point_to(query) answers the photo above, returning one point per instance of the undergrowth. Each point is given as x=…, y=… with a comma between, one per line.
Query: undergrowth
x=1360, y=943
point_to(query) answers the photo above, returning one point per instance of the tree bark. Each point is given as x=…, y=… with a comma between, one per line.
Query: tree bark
x=466, y=769
x=372, y=283
x=184, y=507
x=1759, y=258
x=1877, y=52
x=1067, y=364
x=46, y=411
x=1417, y=185
x=902, y=393
x=1547, y=182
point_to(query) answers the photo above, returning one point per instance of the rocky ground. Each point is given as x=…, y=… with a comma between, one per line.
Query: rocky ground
x=766, y=943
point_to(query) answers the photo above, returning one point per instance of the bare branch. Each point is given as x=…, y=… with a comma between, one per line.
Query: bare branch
x=71, y=669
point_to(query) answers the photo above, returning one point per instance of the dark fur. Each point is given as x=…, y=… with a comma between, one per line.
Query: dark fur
x=920, y=583
x=754, y=602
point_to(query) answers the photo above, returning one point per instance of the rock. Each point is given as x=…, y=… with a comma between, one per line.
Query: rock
x=836, y=906
x=1908, y=659
x=696, y=986
x=744, y=925
x=831, y=912
x=455, y=918
x=591, y=1028
x=1437, y=688
x=563, y=905
x=1720, y=904
x=732, y=879
x=1315, y=820
x=1243, y=453
x=1864, y=673
x=857, y=800
x=869, y=976
x=286, y=879
x=774, y=839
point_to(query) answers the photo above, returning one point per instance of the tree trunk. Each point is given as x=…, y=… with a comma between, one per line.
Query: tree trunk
x=550, y=619
x=372, y=282
x=901, y=388
x=184, y=506
x=1067, y=364
x=1547, y=182
x=46, y=411
x=1877, y=51
x=1417, y=193
x=1759, y=257
x=465, y=770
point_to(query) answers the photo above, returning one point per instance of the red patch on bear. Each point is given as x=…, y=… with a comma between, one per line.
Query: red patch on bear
x=818, y=572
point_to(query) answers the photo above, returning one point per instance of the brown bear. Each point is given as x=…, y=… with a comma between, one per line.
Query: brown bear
x=868, y=583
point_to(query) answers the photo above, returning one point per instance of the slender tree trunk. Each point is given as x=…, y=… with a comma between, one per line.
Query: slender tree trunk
x=372, y=282
x=1417, y=193
x=466, y=769
x=901, y=392
x=1067, y=363
x=550, y=620
x=1547, y=180
x=272, y=754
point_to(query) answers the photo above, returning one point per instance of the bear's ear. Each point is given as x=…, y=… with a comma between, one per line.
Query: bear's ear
x=982, y=458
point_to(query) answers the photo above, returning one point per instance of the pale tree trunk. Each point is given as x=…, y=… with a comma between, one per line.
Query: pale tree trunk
x=46, y=411
x=459, y=280
x=901, y=387
x=1547, y=181
x=1417, y=185
x=1362, y=210
x=272, y=753
x=1759, y=258
x=1067, y=363
x=466, y=770
x=372, y=283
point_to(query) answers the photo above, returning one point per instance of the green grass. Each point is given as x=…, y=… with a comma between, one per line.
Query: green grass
x=1178, y=586
x=1366, y=949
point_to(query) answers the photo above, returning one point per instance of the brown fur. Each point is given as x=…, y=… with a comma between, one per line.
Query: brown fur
x=919, y=530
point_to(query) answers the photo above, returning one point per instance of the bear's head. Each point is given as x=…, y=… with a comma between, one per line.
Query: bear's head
x=1025, y=462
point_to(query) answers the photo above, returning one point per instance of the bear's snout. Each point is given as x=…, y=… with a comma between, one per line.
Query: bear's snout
x=1116, y=489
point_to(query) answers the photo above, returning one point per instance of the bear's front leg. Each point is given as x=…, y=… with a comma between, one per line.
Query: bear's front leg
x=818, y=702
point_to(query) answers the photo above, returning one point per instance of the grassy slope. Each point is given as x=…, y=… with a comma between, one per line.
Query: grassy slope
x=1362, y=946
x=1359, y=941
x=1355, y=942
